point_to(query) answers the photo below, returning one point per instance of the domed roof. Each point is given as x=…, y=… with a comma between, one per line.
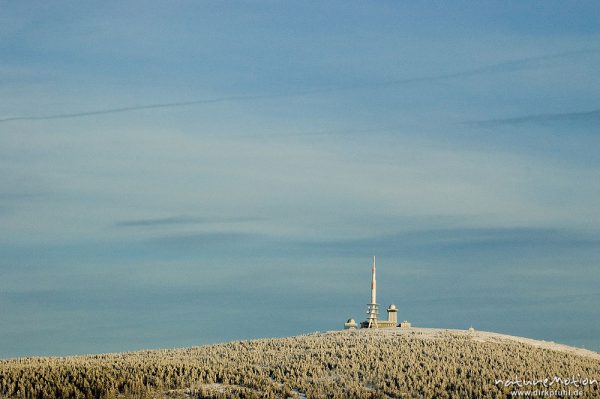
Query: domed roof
x=392, y=307
x=351, y=321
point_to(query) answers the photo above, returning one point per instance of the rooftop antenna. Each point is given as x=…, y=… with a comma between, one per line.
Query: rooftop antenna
x=373, y=310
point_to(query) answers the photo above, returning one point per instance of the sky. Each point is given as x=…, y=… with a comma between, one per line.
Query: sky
x=182, y=173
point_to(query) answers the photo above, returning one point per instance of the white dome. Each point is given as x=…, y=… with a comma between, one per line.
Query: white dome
x=392, y=307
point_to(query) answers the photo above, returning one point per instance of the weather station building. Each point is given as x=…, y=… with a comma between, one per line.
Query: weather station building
x=373, y=311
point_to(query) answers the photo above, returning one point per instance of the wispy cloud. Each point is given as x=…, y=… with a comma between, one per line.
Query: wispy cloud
x=419, y=244
x=179, y=220
x=506, y=66
x=452, y=241
x=19, y=196
x=585, y=116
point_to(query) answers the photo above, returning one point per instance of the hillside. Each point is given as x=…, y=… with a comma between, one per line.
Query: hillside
x=357, y=364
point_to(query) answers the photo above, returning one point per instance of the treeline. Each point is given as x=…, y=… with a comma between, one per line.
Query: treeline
x=349, y=364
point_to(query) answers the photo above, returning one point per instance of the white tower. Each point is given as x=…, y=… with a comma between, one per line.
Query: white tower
x=393, y=315
x=373, y=310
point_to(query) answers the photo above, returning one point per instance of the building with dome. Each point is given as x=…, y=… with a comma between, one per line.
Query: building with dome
x=350, y=325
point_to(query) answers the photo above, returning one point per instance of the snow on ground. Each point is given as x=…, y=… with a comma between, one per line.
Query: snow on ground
x=480, y=336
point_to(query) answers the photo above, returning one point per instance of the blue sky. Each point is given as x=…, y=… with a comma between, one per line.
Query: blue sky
x=180, y=173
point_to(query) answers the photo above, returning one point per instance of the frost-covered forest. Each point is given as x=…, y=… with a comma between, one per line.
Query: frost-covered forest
x=395, y=363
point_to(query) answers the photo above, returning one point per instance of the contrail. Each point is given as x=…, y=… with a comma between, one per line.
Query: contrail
x=136, y=108
x=181, y=220
x=512, y=65
x=593, y=115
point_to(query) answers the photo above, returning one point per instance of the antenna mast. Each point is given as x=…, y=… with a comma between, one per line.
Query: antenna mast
x=373, y=310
